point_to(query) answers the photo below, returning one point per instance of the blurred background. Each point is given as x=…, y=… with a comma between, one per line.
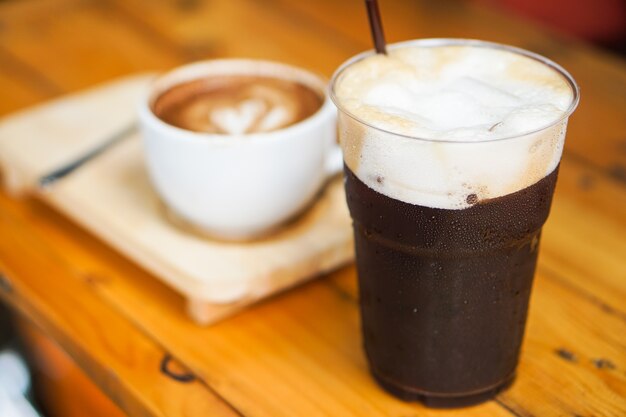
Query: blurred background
x=46, y=44
x=601, y=22
x=52, y=47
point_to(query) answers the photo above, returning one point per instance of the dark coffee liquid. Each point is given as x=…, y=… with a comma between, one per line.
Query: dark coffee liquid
x=236, y=104
x=444, y=293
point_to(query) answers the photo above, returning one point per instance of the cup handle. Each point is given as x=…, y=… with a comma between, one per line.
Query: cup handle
x=334, y=161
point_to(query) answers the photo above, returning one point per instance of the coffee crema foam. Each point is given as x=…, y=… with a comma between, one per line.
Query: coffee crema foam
x=236, y=104
x=471, y=107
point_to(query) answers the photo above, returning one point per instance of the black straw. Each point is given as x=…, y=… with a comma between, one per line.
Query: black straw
x=376, y=26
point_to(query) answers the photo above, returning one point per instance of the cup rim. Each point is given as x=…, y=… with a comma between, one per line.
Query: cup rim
x=148, y=116
x=434, y=42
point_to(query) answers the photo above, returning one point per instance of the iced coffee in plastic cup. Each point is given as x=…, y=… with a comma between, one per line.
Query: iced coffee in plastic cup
x=451, y=151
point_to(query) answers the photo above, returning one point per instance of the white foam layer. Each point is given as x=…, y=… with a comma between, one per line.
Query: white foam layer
x=463, y=100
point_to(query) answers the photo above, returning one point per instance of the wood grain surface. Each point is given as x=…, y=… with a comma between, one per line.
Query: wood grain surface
x=299, y=353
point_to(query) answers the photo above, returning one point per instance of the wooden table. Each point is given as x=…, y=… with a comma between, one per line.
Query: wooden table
x=299, y=354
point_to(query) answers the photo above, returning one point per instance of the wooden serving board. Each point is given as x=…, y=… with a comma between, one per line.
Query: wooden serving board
x=111, y=195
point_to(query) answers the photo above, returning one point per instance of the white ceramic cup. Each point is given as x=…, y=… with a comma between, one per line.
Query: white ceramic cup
x=239, y=186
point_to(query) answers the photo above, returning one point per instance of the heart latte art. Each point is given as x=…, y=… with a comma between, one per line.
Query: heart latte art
x=236, y=104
